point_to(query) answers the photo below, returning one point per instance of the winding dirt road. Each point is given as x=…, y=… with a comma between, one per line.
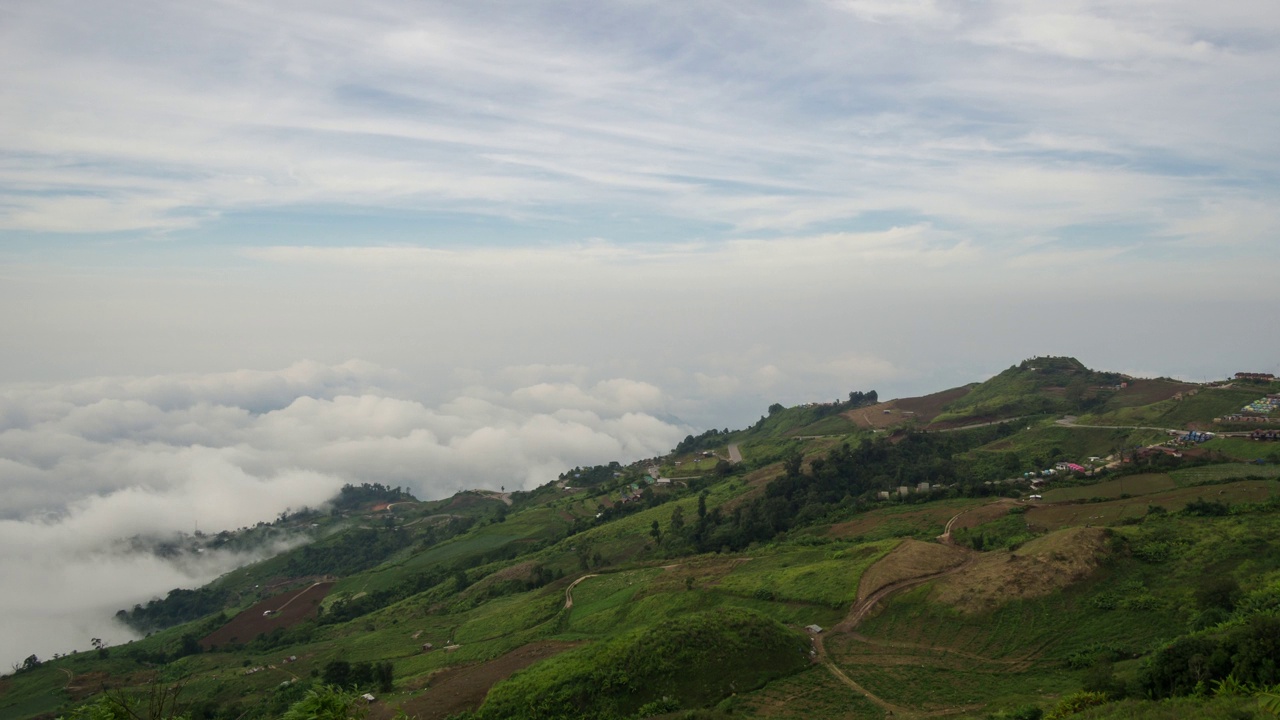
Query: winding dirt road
x=861, y=608
x=568, y=592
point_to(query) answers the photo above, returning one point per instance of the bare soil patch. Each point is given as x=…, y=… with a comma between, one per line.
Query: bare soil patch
x=286, y=609
x=1060, y=515
x=984, y=514
x=1037, y=569
x=925, y=518
x=459, y=689
x=1146, y=392
x=911, y=559
x=85, y=684
x=706, y=572
x=755, y=481
x=922, y=409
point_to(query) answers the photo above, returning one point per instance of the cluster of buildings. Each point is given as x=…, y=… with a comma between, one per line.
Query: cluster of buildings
x=1194, y=437
x=905, y=490
x=1062, y=467
x=634, y=490
x=1264, y=377
x=1258, y=411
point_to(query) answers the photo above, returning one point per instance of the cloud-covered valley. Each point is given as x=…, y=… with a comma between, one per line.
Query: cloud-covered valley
x=85, y=464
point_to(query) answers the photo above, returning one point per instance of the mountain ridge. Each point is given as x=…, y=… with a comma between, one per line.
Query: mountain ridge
x=428, y=589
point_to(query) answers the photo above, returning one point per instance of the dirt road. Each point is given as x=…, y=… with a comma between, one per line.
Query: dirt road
x=861, y=608
x=568, y=592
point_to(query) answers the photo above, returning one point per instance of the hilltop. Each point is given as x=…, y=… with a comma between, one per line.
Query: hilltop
x=1052, y=537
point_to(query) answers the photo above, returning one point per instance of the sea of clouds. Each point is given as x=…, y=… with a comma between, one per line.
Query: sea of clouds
x=85, y=464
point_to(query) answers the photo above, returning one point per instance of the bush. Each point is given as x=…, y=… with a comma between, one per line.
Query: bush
x=1077, y=702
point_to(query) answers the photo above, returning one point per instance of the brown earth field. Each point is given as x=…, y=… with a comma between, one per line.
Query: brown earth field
x=755, y=482
x=924, y=409
x=924, y=518
x=287, y=609
x=984, y=514
x=460, y=689
x=1036, y=569
x=1145, y=392
x=1060, y=515
x=911, y=559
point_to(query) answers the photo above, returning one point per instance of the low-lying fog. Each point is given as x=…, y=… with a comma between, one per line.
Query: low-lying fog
x=88, y=464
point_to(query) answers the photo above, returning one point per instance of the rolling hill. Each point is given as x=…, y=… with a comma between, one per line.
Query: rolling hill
x=854, y=562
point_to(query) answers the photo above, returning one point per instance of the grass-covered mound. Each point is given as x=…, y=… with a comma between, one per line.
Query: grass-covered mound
x=690, y=661
x=1036, y=386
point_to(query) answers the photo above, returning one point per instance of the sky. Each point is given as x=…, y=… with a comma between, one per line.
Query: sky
x=252, y=251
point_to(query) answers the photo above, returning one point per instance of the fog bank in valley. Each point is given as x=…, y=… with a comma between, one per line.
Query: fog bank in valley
x=88, y=464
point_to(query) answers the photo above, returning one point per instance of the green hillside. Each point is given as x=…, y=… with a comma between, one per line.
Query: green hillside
x=941, y=587
x=1197, y=410
x=1034, y=387
x=690, y=660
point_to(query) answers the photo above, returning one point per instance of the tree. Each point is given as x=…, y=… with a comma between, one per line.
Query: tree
x=384, y=675
x=1218, y=591
x=337, y=673
x=792, y=462
x=655, y=531
x=677, y=519
x=776, y=408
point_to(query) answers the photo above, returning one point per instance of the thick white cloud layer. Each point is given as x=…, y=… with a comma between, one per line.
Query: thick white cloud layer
x=83, y=465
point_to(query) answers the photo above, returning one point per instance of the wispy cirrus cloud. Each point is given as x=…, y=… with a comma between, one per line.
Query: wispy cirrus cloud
x=714, y=121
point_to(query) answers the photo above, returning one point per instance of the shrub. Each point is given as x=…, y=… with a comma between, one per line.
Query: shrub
x=1074, y=703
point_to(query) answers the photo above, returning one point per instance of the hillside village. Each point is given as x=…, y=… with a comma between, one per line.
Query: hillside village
x=1053, y=542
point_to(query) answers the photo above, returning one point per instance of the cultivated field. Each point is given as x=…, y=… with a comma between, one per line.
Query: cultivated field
x=1144, y=484
x=1052, y=517
x=285, y=610
x=920, y=409
x=922, y=521
x=462, y=688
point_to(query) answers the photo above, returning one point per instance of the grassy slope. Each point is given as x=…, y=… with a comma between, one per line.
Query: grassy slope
x=812, y=578
x=1198, y=410
x=694, y=658
x=1043, y=385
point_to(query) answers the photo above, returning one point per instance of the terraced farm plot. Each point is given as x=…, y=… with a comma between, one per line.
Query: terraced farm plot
x=1199, y=410
x=1076, y=442
x=1243, y=448
x=1129, y=485
x=1217, y=473
x=1053, y=517
x=926, y=688
x=902, y=521
x=811, y=695
x=1145, y=392
x=595, y=599
x=463, y=688
x=282, y=611
x=911, y=559
x=807, y=575
x=919, y=653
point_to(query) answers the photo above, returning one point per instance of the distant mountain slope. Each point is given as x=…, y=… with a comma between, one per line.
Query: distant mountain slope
x=910, y=548
x=1033, y=387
